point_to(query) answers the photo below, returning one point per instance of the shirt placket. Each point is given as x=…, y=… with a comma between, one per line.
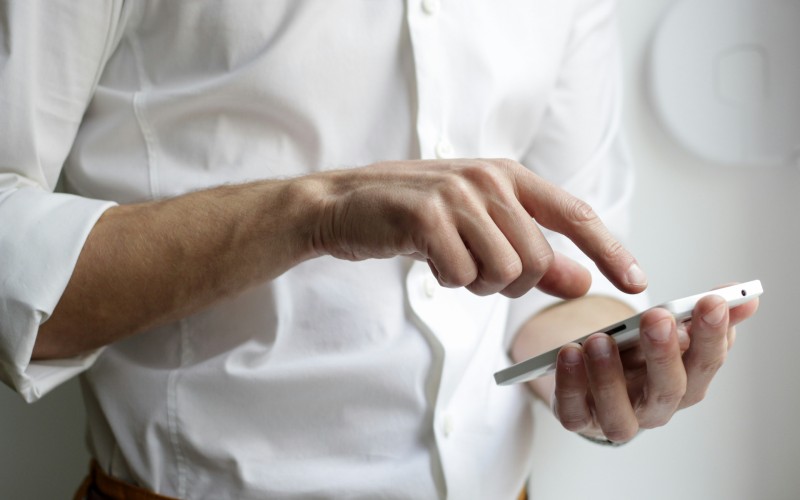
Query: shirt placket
x=425, y=23
x=425, y=27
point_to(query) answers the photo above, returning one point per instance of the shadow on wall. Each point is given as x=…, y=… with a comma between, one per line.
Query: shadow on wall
x=725, y=80
x=42, y=450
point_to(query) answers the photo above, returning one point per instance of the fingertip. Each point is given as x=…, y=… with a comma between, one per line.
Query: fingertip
x=744, y=311
x=631, y=279
x=713, y=310
x=571, y=368
x=653, y=316
x=710, y=302
x=635, y=278
x=659, y=332
x=570, y=355
x=599, y=347
x=565, y=278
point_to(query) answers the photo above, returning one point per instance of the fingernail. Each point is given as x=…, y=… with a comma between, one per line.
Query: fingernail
x=636, y=276
x=659, y=331
x=570, y=356
x=598, y=347
x=714, y=317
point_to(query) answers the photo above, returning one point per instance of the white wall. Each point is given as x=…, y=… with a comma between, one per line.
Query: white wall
x=697, y=225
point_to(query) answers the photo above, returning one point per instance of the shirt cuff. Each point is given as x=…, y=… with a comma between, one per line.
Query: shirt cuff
x=41, y=238
x=40, y=377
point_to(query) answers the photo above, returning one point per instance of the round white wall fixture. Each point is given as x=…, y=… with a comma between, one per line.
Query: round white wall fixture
x=725, y=79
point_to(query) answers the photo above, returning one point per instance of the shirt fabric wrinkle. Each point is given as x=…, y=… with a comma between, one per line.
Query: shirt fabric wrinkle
x=318, y=383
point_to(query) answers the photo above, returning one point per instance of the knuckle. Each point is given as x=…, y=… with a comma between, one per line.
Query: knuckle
x=662, y=356
x=527, y=278
x=607, y=391
x=480, y=287
x=504, y=274
x=670, y=398
x=494, y=279
x=460, y=278
x=540, y=261
x=694, y=398
x=516, y=290
x=712, y=334
x=456, y=189
x=602, y=389
x=507, y=174
x=580, y=211
x=711, y=340
x=567, y=395
x=570, y=413
x=655, y=421
x=485, y=175
x=614, y=251
x=574, y=423
x=711, y=366
x=509, y=164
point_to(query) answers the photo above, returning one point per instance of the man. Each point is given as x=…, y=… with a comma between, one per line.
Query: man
x=275, y=276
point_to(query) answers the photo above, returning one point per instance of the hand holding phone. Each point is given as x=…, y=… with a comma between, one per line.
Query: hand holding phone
x=626, y=332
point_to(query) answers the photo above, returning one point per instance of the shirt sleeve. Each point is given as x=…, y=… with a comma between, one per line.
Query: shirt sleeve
x=51, y=57
x=580, y=147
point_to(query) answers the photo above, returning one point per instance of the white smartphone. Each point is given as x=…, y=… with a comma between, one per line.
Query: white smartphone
x=626, y=332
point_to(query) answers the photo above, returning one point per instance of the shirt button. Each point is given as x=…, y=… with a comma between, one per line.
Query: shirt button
x=444, y=150
x=431, y=7
x=449, y=425
x=429, y=286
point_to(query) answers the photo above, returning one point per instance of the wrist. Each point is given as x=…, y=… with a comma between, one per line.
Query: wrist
x=314, y=196
x=301, y=206
x=336, y=224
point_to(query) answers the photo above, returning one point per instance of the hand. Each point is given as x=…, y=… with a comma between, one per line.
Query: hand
x=602, y=394
x=474, y=221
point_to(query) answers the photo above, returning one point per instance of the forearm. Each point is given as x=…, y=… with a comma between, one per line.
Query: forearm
x=148, y=264
x=151, y=263
x=561, y=324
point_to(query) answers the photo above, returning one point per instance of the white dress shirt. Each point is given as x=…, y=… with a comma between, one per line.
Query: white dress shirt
x=337, y=379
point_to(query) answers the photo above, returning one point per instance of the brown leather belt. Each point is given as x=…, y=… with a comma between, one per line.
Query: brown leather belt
x=100, y=486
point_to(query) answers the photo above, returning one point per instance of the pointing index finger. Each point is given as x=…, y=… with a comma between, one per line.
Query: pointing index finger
x=559, y=211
